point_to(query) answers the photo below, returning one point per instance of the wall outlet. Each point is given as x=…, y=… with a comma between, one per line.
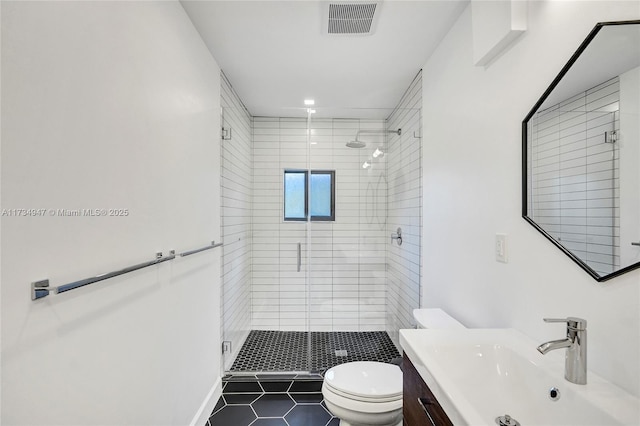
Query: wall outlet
x=226, y=346
x=501, y=248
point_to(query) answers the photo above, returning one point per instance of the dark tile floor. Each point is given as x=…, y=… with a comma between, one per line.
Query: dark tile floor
x=291, y=399
x=272, y=400
x=289, y=351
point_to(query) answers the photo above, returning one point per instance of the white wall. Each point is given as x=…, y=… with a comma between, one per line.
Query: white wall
x=109, y=105
x=472, y=154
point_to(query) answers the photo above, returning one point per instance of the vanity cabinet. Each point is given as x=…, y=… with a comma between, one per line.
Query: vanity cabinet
x=419, y=406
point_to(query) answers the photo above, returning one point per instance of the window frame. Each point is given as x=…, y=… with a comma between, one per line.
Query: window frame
x=307, y=189
x=332, y=216
x=306, y=195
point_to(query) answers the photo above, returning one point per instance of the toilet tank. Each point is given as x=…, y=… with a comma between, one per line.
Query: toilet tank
x=435, y=318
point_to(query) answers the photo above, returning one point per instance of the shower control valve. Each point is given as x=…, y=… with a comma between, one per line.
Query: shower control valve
x=397, y=236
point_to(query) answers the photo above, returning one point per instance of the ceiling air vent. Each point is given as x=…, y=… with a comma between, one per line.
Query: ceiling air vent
x=351, y=18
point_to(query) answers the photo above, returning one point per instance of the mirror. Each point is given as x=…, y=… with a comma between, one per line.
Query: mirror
x=581, y=154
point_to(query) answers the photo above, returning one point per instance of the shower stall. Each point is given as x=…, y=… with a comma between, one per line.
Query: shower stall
x=311, y=275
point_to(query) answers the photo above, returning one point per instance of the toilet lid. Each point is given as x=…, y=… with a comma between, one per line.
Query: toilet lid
x=366, y=379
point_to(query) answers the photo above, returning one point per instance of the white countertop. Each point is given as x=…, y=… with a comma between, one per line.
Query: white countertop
x=479, y=374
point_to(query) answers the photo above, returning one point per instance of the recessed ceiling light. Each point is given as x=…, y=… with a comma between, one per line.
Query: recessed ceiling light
x=309, y=102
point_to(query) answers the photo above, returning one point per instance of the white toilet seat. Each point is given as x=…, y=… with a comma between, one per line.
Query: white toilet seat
x=361, y=398
x=366, y=386
x=332, y=399
x=359, y=403
x=366, y=380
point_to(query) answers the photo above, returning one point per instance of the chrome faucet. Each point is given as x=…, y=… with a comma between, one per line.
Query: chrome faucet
x=575, y=363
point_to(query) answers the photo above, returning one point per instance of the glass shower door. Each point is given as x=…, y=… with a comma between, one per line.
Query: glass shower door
x=347, y=257
x=273, y=310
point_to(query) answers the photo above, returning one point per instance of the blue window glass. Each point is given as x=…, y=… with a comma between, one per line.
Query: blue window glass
x=320, y=199
x=295, y=198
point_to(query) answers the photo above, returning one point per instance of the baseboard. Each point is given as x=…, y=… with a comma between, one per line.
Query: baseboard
x=201, y=417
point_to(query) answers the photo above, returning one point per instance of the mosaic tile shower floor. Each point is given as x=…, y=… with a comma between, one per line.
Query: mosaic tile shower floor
x=287, y=350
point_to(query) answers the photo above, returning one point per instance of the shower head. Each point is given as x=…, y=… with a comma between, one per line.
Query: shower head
x=356, y=144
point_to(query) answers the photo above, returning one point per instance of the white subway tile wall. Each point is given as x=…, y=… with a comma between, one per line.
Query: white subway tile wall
x=346, y=258
x=236, y=192
x=404, y=209
x=574, y=175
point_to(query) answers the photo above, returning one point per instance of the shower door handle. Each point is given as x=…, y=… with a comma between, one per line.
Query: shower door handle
x=299, y=257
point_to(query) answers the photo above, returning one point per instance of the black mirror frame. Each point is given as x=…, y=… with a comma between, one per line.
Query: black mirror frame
x=554, y=83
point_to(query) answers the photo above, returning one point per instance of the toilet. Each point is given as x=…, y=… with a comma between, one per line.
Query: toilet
x=364, y=393
x=435, y=318
x=368, y=393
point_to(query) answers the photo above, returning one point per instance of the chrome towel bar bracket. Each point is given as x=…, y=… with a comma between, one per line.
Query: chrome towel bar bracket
x=209, y=247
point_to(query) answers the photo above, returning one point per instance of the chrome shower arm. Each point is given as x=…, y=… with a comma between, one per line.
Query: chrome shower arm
x=377, y=132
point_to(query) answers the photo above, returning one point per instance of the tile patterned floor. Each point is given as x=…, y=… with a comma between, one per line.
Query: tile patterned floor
x=291, y=399
x=272, y=400
x=287, y=350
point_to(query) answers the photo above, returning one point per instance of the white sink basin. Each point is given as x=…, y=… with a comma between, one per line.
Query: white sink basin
x=480, y=374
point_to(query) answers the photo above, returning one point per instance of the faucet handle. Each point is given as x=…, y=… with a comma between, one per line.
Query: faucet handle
x=572, y=322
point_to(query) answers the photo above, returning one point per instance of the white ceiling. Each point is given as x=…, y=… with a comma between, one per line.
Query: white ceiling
x=275, y=54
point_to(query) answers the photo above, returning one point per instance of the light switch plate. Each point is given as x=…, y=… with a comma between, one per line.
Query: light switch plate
x=501, y=248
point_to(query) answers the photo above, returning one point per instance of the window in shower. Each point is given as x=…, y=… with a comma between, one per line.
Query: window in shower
x=318, y=204
x=295, y=195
